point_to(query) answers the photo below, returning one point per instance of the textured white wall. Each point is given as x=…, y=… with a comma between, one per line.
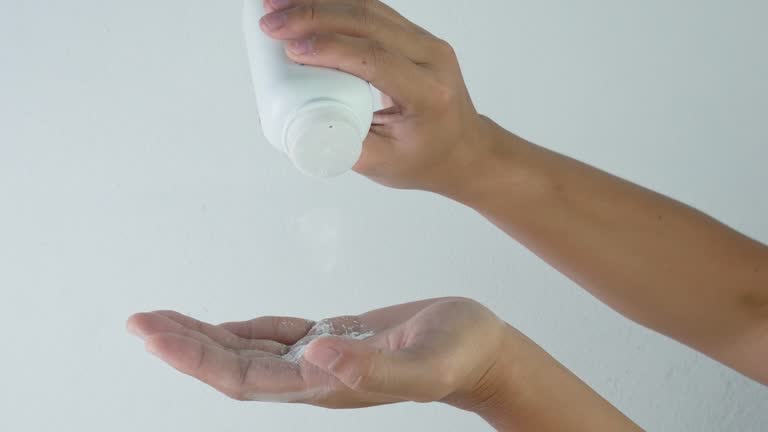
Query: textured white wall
x=133, y=177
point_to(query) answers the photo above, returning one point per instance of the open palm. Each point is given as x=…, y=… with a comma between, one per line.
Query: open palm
x=422, y=351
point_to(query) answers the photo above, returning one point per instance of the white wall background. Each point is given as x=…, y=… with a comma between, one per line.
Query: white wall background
x=133, y=176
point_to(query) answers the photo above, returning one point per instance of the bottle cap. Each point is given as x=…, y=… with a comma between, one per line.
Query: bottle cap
x=324, y=139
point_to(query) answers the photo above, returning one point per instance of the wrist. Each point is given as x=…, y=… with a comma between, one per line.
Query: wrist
x=499, y=165
x=495, y=397
x=525, y=386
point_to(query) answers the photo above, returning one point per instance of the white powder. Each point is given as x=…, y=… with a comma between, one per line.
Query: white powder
x=325, y=328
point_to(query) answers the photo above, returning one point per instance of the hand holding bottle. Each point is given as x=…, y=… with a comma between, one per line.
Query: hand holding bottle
x=429, y=136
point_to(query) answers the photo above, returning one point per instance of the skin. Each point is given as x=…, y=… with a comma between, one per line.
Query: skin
x=655, y=260
x=449, y=350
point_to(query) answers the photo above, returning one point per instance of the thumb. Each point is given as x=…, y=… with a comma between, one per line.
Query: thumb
x=363, y=367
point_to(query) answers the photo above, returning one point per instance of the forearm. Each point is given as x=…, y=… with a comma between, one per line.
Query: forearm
x=528, y=390
x=651, y=258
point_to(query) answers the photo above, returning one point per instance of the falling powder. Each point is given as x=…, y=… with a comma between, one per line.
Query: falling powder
x=325, y=328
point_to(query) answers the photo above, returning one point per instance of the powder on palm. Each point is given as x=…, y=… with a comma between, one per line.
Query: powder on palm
x=325, y=328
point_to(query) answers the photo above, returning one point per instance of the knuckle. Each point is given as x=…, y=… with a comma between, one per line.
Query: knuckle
x=445, y=49
x=462, y=301
x=308, y=14
x=237, y=396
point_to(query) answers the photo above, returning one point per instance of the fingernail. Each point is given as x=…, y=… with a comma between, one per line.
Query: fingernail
x=135, y=332
x=151, y=349
x=302, y=46
x=275, y=21
x=323, y=358
x=281, y=4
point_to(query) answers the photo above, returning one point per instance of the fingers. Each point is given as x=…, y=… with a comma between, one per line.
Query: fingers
x=365, y=19
x=147, y=324
x=236, y=376
x=284, y=330
x=363, y=38
x=363, y=367
x=224, y=337
x=386, y=69
x=374, y=7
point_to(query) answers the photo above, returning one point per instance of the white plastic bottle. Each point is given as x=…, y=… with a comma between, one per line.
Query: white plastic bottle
x=318, y=116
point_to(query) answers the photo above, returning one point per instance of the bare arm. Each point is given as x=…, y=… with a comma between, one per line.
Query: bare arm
x=653, y=259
